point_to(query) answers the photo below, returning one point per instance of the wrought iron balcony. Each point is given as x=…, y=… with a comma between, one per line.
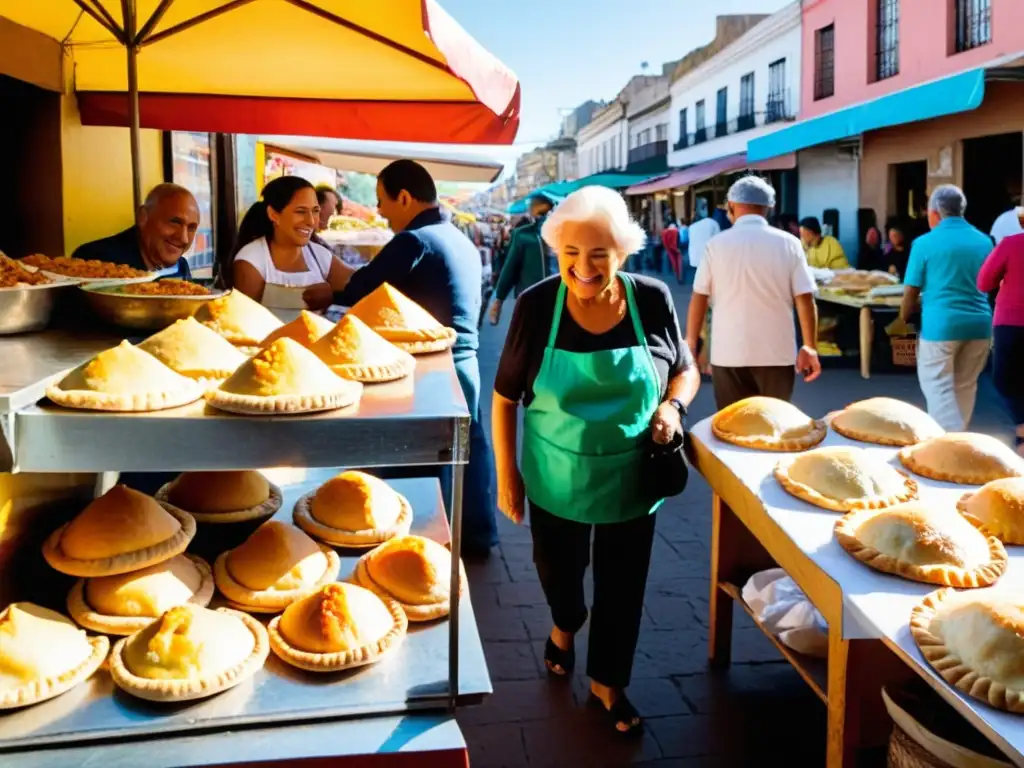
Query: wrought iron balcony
x=648, y=151
x=778, y=107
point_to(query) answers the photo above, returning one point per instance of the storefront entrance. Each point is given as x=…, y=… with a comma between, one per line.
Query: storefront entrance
x=993, y=167
x=31, y=208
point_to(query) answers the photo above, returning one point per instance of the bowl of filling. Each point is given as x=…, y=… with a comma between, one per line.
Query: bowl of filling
x=149, y=306
x=27, y=297
x=86, y=270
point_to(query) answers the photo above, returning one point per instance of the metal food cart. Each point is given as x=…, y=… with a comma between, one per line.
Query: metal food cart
x=59, y=459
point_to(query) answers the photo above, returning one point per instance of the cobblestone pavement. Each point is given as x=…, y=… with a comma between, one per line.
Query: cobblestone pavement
x=695, y=717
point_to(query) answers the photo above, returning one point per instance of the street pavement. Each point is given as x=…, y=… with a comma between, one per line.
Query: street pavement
x=759, y=711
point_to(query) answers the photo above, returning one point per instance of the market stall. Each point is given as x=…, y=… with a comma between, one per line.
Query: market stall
x=855, y=308
x=758, y=525
x=60, y=457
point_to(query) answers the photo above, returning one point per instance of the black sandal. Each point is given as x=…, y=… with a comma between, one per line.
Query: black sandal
x=559, y=663
x=622, y=715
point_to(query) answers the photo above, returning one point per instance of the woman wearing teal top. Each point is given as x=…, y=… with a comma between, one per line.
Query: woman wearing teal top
x=598, y=362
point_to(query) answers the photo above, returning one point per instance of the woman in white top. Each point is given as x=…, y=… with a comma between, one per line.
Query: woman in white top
x=273, y=254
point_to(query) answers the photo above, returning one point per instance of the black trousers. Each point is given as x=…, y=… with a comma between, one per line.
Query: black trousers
x=622, y=557
x=1007, y=370
x=734, y=384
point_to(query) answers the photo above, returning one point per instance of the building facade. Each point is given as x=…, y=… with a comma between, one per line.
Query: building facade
x=749, y=88
x=928, y=92
x=647, y=118
x=599, y=144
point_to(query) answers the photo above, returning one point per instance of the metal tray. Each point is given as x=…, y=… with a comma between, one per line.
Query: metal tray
x=415, y=677
x=421, y=419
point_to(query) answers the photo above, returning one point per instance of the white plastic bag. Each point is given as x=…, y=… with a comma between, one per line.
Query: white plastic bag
x=784, y=611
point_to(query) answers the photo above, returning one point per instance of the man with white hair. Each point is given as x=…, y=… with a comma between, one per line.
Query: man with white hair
x=956, y=319
x=753, y=275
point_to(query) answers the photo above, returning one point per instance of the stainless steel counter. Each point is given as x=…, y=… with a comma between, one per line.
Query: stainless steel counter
x=29, y=361
x=436, y=738
x=421, y=420
x=415, y=677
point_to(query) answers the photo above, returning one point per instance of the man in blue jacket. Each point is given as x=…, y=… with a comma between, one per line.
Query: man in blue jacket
x=438, y=267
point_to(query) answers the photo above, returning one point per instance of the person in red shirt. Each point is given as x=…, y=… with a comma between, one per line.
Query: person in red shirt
x=1003, y=271
x=670, y=239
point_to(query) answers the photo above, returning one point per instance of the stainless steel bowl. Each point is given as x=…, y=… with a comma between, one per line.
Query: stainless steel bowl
x=30, y=307
x=143, y=313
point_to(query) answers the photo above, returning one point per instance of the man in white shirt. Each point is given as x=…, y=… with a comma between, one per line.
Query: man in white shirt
x=1009, y=223
x=753, y=275
x=700, y=233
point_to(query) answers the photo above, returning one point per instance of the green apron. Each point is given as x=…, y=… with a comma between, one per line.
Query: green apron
x=586, y=425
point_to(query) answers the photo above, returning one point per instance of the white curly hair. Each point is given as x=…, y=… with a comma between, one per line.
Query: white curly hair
x=603, y=204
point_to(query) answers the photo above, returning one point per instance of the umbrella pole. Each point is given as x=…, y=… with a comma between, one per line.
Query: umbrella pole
x=131, y=45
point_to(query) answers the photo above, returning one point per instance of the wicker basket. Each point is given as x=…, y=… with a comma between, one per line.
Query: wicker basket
x=904, y=350
x=904, y=752
x=913, y=745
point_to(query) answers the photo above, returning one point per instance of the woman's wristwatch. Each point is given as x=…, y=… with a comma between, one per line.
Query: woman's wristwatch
x=680, y=406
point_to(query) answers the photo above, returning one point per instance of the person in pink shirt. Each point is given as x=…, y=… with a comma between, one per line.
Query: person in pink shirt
x=1003, y=271
x=670, y=239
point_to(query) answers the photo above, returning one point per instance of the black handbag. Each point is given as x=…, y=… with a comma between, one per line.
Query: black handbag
x=664, y=470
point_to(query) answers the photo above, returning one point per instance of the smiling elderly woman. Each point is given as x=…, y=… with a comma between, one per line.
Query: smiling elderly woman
x=597, y=360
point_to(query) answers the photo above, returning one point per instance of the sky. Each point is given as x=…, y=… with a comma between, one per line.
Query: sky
x=568, y=51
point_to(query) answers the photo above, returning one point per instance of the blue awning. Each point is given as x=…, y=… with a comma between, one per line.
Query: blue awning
x=949, y=96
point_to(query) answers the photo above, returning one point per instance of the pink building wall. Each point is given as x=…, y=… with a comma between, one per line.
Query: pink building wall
x=926, y=34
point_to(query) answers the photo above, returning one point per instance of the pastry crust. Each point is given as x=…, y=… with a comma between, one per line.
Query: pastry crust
x=767, y=424
x=416, y=612
x=848, y=535
x=306, y=329
x=427, y=347
x=402, y=321
x=128, y=561
x=193, y=688
x=1000, y=507
x=267, y=545
x=340, y=660
x=967, y=458
x=193, y=350
x=1000, y=611
x=355, y=351
x=265, y=509
x=41, y=689
x=845, y=460
x=284, y=378
x=239, y=319
x=370, y=537
x=885, y=421
x=280, y=405
x=125, y=379
x=85, y=616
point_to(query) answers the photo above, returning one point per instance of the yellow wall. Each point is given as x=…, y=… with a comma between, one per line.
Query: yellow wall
x=97, y=179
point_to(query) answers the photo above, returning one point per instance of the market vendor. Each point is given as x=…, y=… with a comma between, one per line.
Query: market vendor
x=165, y=226
x=327, y=199
x=274, y=260
x=528, y=260
x=597, y=360
x=438, y=267
x=823, y=251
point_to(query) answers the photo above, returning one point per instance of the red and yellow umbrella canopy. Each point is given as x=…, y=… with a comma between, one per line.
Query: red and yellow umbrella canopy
x=389, y=70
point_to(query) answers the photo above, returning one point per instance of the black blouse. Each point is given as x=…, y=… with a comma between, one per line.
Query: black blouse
x=531, y=323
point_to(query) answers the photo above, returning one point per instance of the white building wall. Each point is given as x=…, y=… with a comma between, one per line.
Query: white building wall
x=829, y=179
x=775, y=38
x=649, y=121
x=601, y=149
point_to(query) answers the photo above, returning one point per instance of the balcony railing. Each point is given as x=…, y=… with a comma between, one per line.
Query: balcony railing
x=778, y=108
x=648, y=151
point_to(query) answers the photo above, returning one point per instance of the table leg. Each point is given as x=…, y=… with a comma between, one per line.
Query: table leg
x=857, y=719
x=867, y=337
x=723, y=561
